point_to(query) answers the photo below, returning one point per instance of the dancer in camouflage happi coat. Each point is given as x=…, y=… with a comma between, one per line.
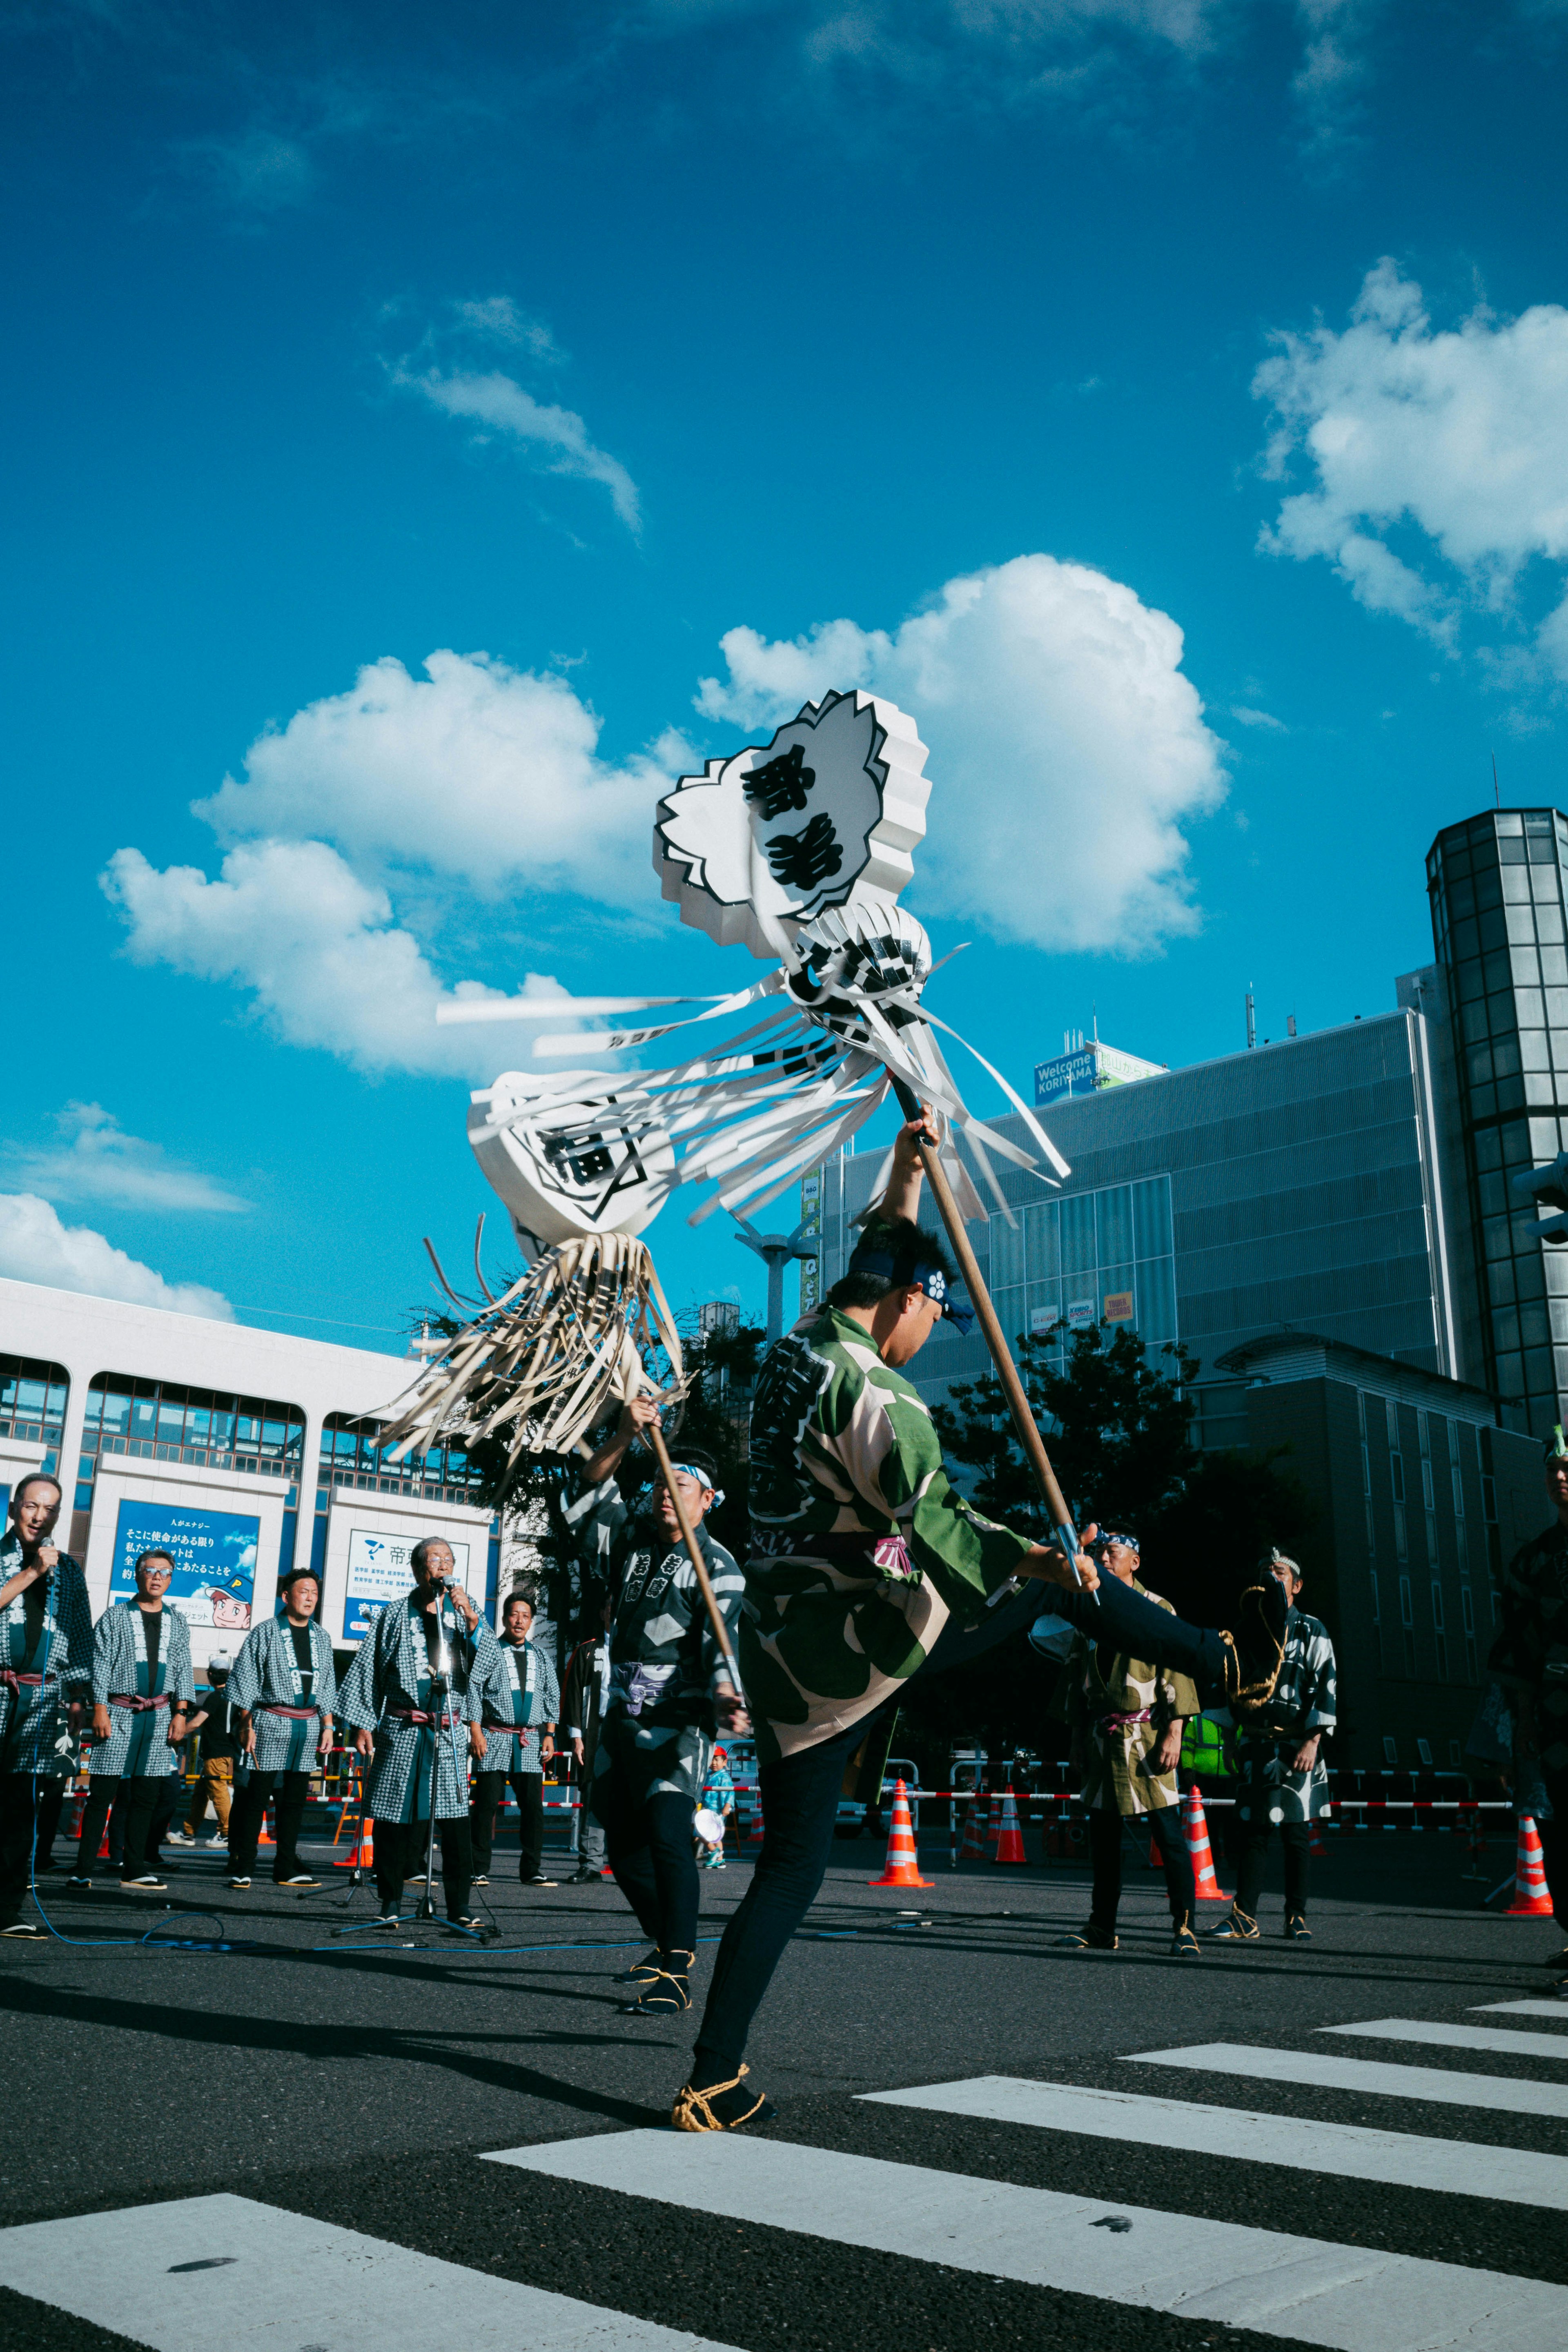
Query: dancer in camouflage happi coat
x=388, y=1697
x=46, y=1673
x=518, y=1703
x=284, y=1689
x=668, y=1687
x=141, y=1687
x=862, y=1557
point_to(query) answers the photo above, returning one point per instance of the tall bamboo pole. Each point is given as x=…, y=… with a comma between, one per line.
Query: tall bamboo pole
x=688, y=1535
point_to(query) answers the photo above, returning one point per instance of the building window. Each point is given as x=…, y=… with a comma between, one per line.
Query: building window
x=351, y=1456
x=1396, y=1479
x=1408, y=1624
x=1441, y=1632
x=1390, y=1748
x=1467, y=1618
x=1105, y=1257
x=1377, y=1623
x=33, y=1406
x=162, y=1423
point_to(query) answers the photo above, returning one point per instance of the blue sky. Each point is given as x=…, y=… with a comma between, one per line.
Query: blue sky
x=1168, y=400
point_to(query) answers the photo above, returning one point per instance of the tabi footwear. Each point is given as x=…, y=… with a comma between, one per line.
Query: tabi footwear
x=1184, y=1945
x=237, y=1881
x=1089, y=1939
x=1296, y=1930
x=640, y=1972
x=721, y=2106
x=667, y=1992
x=1237, y=1929
x=24, y=1928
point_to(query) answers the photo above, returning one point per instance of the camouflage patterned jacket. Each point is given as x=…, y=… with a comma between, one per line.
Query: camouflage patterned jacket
x=860, y=1550
x=1531, y=1651
x=1120, y=1706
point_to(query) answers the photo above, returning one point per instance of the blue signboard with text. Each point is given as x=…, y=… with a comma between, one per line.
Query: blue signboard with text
x=213, y=1553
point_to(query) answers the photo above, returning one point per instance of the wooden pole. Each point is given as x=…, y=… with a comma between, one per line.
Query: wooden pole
x=688, y=1535
x=1029, y=1438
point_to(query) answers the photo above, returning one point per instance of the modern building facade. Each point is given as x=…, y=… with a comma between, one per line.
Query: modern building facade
x=1498, y=909
x=238, y=1450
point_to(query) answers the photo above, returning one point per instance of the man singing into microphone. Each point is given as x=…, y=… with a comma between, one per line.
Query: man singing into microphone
x=413, y=1697
x=46, y=1672
x=284, y=1690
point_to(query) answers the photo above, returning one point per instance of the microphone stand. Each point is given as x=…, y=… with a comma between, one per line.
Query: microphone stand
x=440, y=1685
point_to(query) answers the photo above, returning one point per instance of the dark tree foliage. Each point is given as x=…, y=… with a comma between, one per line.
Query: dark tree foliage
x=1117, y=1427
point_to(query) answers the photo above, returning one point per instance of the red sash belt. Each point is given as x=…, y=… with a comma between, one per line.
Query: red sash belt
x=138, y=1705
x=11, y=1681
x=491, y=1723
x=419, y=1715
x=294, y=1714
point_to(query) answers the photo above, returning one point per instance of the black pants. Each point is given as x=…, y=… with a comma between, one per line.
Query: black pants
x=135, y=1803
x=528, y=1787
x=400, y=1849
x=25, y=1801
x=1105, y=1857
x=1555, y=1845
x=289, y=1792
x=800, y=1797
x=652, y=1851
x=1293, y=1837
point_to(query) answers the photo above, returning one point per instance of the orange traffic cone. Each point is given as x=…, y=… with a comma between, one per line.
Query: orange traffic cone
x=364, y=1858
x=1195, y=1830
x=973, y=1847
x=1010, y=1843
x=1530, y=1898
x=902, y=1866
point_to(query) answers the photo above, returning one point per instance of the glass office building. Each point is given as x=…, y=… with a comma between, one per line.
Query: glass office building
x=1497, y=920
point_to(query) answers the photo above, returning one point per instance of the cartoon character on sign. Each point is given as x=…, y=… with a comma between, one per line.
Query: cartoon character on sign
x=229, y=1609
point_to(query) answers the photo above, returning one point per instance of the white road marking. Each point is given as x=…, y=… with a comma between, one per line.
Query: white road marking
x=1558, y=2009
x=287, y=2282
x=1348, y=2297
x=1322, y=2072
x=1514, y=2040
x=1352, y=2151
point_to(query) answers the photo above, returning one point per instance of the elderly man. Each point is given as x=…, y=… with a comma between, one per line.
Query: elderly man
x=669, y=1687
x=864, y=1562
x=518, y=1703
x=46, y=1673
x=1530, y=1660
x=1282, y=1781
x=141, y=1687
x=282, y=1690
x=1125, y=1716
x=413, y=1697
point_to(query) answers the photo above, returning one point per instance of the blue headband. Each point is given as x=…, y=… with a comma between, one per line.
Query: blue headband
x=907, y=1273
x=702, y=1478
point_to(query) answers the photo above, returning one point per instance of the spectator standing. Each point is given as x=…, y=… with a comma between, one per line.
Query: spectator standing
x=1282, y=1782
x=46, y=1673
x=1125, y=1717
x=718, y=1797
x=1530, y=1662
x=519, y=1706
x=583, y=1697
x=215, y=1751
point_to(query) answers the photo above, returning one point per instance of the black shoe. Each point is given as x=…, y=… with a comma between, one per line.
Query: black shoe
x=26, y=1930
x=1089, y=1939
x=721, y=2106
x=539, y=1879
x=479, y=1879
x=640, y=1972
x=1254, y=1652
x=81, y=1885
x=584, y=1878
x=1296, y=1930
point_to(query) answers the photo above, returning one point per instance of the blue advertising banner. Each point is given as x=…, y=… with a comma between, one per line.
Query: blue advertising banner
x=381, y=1570
x=214, y=1554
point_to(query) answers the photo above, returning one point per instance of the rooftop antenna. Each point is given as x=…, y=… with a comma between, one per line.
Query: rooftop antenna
x=1251, y=1019
x=1497, y=797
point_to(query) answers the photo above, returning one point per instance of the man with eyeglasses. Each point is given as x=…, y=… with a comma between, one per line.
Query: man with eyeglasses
x=141, y=1687
x=46, y=1673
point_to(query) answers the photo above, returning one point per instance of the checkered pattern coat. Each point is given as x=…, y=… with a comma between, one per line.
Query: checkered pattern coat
x=392, y=1668
x=32, y=1721
x=533, y=1705
x=137, y=1747
x=267, y=1672
x=1268, y=1737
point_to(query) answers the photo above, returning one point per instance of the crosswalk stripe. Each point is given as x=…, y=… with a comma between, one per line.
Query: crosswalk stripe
x=1322, y=2072
x=1514, y=2040
x=1348, y=2297
x=1353, y=2151
x=281, y=2279
x=1558, y=2009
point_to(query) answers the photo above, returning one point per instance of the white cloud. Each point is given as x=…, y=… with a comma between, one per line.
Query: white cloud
x=487, y=774
x=1247, y=717
x=1067, y=747
x=1328, y=81
x=256, y=171
x=36, y=1247
x=98, y=1161
x=1458, y=438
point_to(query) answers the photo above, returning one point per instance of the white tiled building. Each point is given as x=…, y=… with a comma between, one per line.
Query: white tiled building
x=243, y=1451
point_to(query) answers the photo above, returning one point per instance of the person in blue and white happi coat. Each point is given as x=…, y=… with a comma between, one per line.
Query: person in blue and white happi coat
x=141, y=1687
x=520, y=1700
x=389, y=1696
x=45, y=1674
x=283, y=1691
x=1283, y=1781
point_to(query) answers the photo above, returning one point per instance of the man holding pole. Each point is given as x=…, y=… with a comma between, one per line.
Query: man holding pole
x=862, y=1555
x=669, y=1684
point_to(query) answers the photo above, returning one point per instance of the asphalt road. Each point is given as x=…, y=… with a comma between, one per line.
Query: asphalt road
x=332, y=2076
